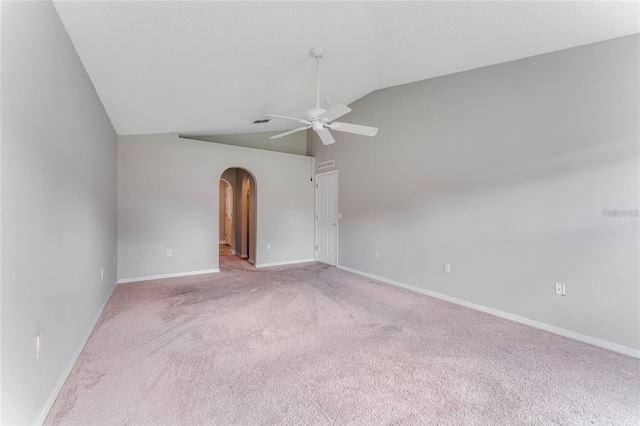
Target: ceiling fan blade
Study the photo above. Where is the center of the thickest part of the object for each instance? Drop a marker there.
(289, 132)
(325, 136)
(334, 112)
(353, 128)
(301, 120)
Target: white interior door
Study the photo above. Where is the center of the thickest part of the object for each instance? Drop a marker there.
(327, 217)
(228, 215)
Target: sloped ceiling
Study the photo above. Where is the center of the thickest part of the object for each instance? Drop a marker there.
(214, 67)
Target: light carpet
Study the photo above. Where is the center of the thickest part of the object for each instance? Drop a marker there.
(311, 344)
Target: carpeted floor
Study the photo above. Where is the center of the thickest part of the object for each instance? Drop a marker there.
(311, 344)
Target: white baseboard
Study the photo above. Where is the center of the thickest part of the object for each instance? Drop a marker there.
(290, 262)
(157, 277)
(522, 320)
(233, 252)
(67, 371)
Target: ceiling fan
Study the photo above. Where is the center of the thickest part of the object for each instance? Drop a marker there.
(320, 119)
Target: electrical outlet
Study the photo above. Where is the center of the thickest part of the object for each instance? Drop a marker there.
(268, 246)
(339, 215)
(560, 289)
(169, 253)
(376, 254)
(447, 267)
(39, 345)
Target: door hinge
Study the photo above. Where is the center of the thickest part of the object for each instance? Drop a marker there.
(316, 248)
(316, 185)
(316, 216)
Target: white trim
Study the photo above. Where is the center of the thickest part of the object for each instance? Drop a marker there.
(157, 277)
(326, 173)
(522, 320)
(67, 371)
(290, 262)
(0, 231)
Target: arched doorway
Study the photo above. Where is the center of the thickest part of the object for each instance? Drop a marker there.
(237, 214)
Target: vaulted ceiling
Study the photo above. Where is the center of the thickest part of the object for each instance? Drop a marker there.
(214, 67)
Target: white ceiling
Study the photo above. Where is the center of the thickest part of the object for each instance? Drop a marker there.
(213, 67)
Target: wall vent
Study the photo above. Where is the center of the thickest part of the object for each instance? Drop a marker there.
(325, 164)
(266, 120)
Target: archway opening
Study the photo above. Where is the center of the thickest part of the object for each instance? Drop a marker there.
(237, 216)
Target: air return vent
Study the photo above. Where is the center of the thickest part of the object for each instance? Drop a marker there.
(325, 164)
(261, 121)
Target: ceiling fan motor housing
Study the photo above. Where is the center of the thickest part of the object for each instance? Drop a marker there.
(317, 125)
(317, 52)
(314, 113)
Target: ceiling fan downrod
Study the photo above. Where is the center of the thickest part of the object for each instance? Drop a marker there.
(318, 52)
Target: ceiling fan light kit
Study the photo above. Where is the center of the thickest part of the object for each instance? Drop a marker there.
(320, 119)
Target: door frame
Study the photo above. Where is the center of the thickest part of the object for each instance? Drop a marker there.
(229, 214)
(228, 185)
(315, 213)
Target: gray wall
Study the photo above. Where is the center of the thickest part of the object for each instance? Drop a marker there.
(292, 144)
(58, 207)
(168, 199)
(504, 172)
(230, 176)
(245, 235)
